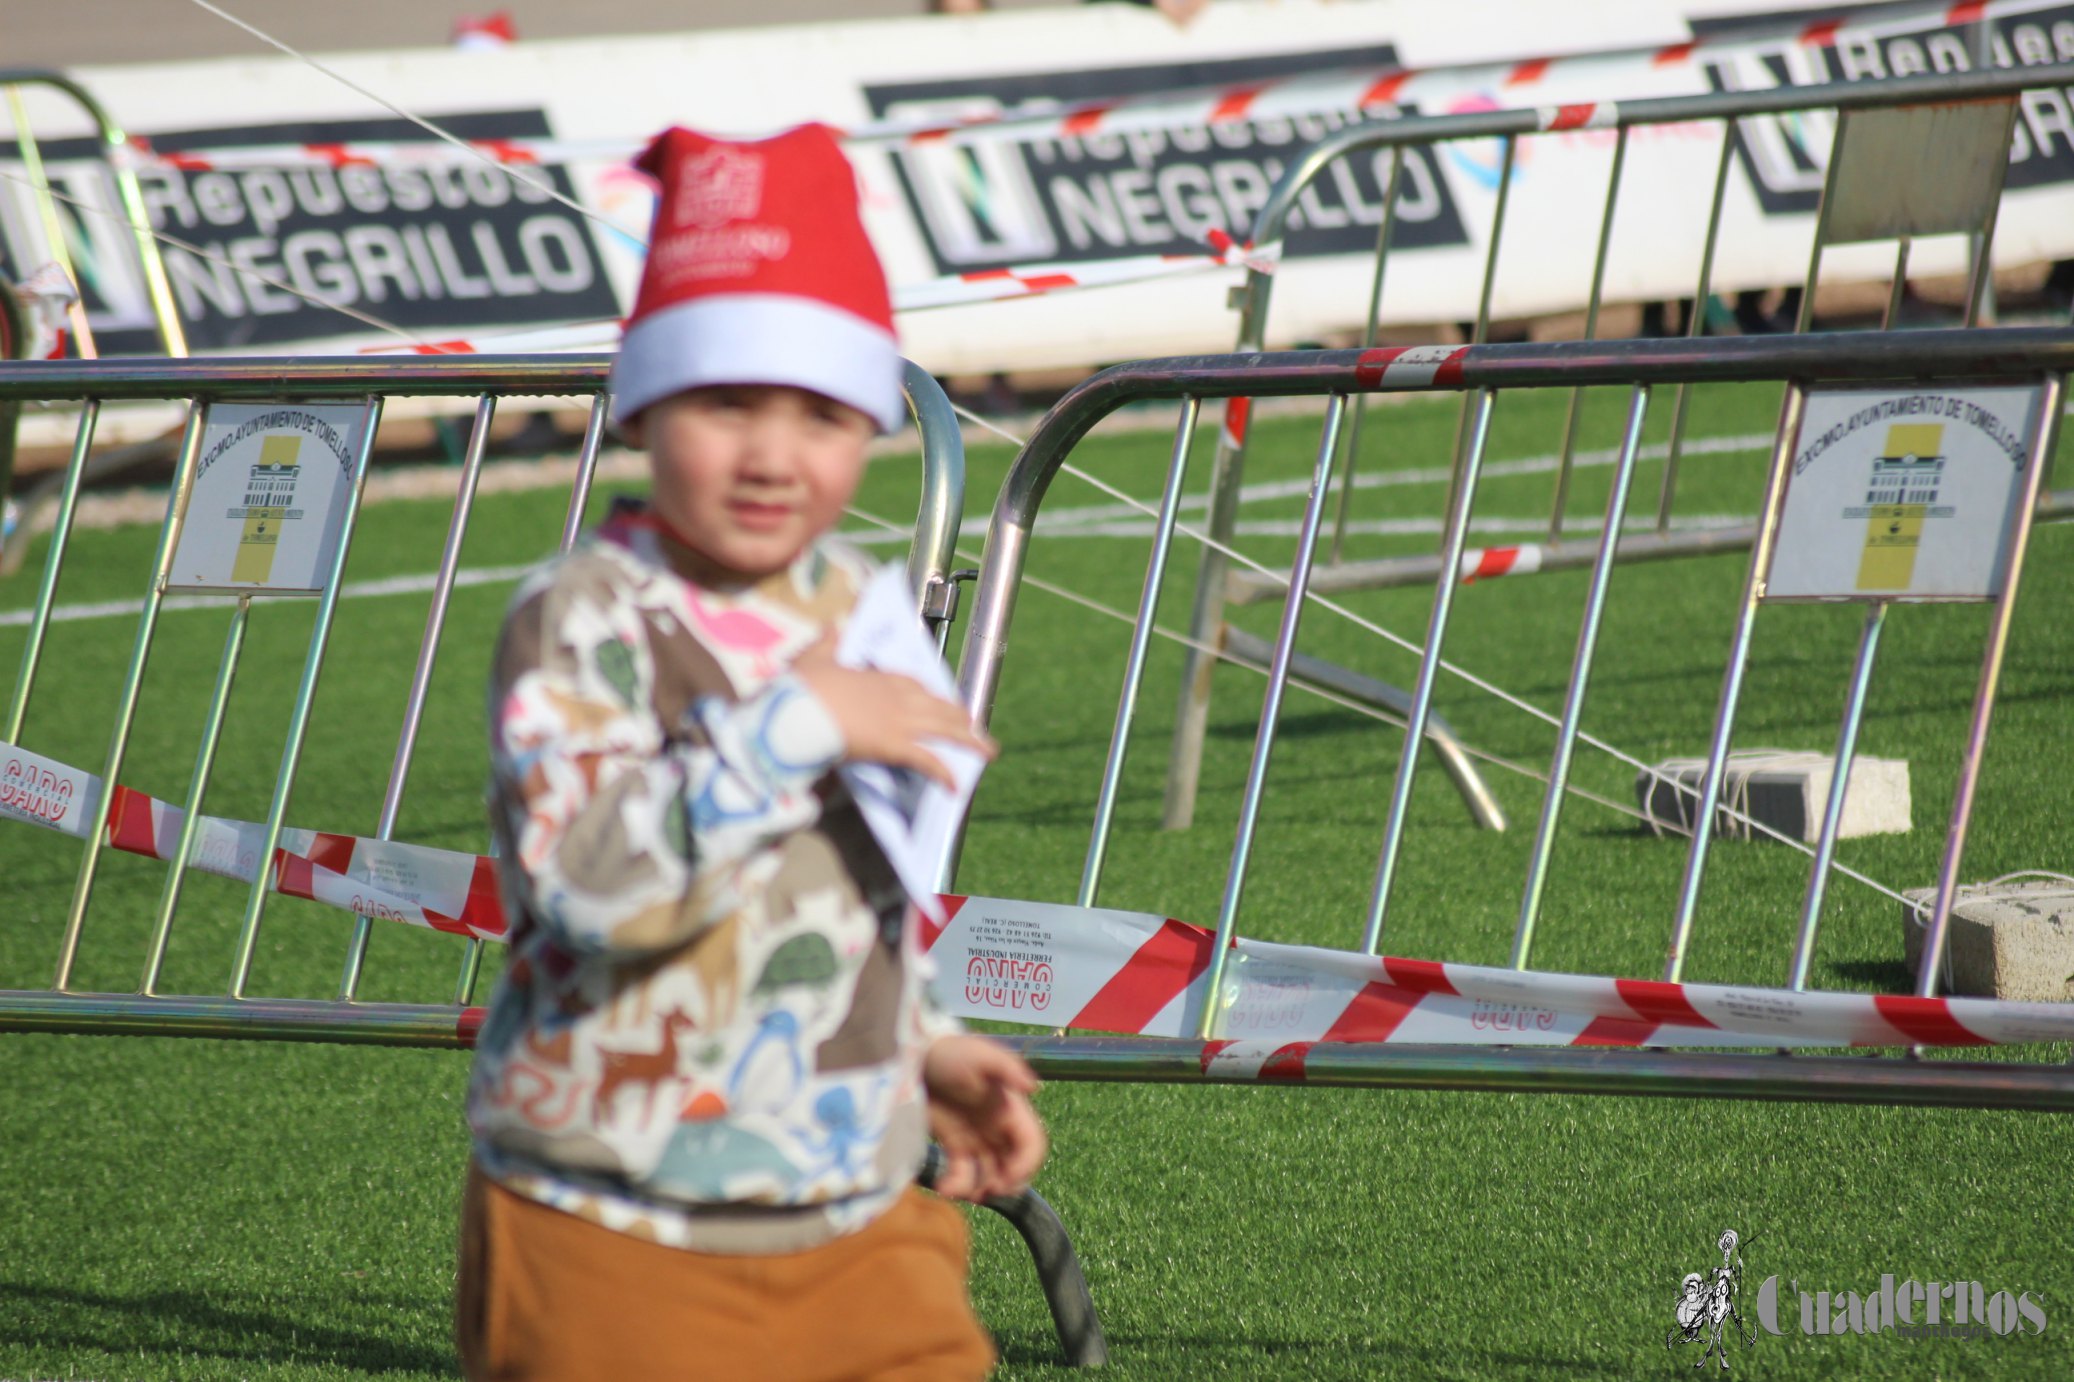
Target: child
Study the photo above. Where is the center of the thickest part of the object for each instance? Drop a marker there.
(709, 1073)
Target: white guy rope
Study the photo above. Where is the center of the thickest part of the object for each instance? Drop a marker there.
(420, 121)
(1129, 619)
(1415, 650)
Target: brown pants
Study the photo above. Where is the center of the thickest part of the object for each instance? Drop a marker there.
(547, 1297)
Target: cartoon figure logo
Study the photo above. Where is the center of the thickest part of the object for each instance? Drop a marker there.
(1708, 1303)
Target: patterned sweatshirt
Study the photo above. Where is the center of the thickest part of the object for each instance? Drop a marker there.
(711, 1028)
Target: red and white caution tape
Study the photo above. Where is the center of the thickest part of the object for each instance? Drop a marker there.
(1489, 563)
(1105, 970)
(420, 886)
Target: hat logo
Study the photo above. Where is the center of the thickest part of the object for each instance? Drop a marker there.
(718, 186)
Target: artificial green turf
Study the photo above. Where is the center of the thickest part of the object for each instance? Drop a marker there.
(217, 1210)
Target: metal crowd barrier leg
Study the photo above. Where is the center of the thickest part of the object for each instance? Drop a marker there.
(1732, 683)
(2044, 437)
(1591, 333)
(133, 685)
(197, 793)
(1833, 808)
(1270, 714)
(1580, 674)
(299, 715)
(421, 674)
(1134, 665)
(1695, 326)
(1461, 501)
(53, 562)
(1368, 335)
(1058, 1266)
(119, 155)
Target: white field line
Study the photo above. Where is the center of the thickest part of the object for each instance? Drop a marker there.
(416, 584)
(420, 582)
(1092, 520)
(1382, 527)
(1430, 475)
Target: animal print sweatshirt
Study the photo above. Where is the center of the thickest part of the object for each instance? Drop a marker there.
(711, 1027)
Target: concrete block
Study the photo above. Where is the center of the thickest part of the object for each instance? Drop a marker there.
(2013, 938)
(1785, 790)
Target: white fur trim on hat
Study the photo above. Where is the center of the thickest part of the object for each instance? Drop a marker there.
(760, 338)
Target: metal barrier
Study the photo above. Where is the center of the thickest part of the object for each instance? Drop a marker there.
(1936, 96)
(1908, 363)
(361, 386)
(119, 153)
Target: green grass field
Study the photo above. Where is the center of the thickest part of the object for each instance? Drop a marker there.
(188, 1209)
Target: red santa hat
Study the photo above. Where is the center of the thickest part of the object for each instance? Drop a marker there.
(759, 272)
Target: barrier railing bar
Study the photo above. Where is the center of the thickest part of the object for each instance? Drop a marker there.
(1580, 675)
(1980, 286)
(299, 715)
(1481, 330)
(1191, 716)
(2035, 1087)
(421, 674)
(133, 684)
(1134, 664)
(2043, 438)
(586, 470)
(197, 793)
(261, 379)
(1790, 411)
(942, 507)
(2032, 1087)
(1833, 808)
(116, 153)
(1695, 325)
(1805, 317)
(1899, 287)
(1375, 314)
(1591, 332)
(1461, 499)
(31, 152)
(53, 563)
(1270, 714)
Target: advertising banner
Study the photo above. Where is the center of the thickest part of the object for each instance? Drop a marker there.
(1063, 137)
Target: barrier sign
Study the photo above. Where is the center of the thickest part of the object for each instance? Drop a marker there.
(1902, 494)
(269, 496)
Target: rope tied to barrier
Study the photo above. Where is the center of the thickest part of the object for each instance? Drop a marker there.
(1400, 641)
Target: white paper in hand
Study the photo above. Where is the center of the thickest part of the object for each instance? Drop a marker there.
(912, 817)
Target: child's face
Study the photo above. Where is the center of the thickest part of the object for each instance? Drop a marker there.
(749, 474)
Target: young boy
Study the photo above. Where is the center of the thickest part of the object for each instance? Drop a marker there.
(708, 1076)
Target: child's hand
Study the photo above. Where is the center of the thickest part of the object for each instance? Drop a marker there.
(884, 717)
(980, 1114)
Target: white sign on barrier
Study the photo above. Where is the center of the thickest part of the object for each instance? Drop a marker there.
(1902, 494)
(269, 497)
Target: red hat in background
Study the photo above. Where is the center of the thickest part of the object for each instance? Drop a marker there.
(759, 272)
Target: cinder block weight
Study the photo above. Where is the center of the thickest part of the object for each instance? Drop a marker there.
(1787, 791)
(2012, 938)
